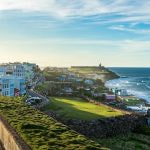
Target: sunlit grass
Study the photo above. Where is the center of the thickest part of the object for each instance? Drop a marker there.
(81, 109)
(132, 101)
(86, 70)
(40, 131)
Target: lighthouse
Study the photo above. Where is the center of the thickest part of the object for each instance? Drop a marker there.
(100, 65)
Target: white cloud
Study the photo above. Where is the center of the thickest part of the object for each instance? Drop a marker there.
(129, 10)
(129, 29)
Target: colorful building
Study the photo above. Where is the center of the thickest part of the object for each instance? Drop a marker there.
(12, 86)
(25, 70)
(14, 76)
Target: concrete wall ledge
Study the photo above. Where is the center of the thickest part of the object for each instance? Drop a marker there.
(9, 137)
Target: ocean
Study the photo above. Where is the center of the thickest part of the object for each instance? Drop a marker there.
(135, 80)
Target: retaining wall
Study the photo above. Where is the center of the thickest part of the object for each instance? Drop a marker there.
(9, 138)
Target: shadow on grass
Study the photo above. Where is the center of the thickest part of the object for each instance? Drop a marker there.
(67, 110)
(104, 130)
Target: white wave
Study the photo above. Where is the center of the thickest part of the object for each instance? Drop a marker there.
(132, 86)
(139, 94)
(147, 86)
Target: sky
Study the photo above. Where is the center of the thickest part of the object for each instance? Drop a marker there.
(76, 32)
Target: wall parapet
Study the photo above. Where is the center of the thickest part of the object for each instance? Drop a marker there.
(9, 137)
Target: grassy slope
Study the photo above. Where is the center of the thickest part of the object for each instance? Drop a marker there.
(132, 141)
(43, 133)
(130, 101)
(40, 131)
(86, 70)
(77, 108)
(80, 109)
(104, 74)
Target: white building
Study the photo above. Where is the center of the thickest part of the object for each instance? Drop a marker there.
(18, 71)
(29, 71)
(25, 70)
(123, 92)
(89, 82)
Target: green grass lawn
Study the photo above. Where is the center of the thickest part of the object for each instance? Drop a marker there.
(131, 101)
(86, 70)
(40, 131)
(80, 109)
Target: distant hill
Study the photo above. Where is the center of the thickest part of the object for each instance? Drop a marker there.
(94, 72)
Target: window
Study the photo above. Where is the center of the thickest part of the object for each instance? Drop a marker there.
(7, 93)
(4, 86)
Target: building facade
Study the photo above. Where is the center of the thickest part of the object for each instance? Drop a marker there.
(14, 77)
(12, 86)
(6, 87)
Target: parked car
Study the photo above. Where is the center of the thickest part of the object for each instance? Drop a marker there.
(33, 101)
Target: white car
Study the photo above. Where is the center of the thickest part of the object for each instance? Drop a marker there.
(33, 100)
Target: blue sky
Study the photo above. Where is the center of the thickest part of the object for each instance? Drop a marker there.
(76, 32)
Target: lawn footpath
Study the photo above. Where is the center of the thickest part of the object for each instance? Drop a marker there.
(40, 131)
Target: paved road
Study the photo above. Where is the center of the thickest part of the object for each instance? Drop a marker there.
(45, 100)
(32, 93)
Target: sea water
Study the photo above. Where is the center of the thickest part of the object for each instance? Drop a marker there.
(135, 80)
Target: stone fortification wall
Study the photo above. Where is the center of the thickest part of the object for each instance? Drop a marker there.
(9, 138)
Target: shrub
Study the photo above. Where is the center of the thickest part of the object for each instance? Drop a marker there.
(143, 130)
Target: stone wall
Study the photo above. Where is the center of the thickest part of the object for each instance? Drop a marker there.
(9, 138)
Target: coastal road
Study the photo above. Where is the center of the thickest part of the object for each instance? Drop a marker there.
(32, 93)
(45, 100)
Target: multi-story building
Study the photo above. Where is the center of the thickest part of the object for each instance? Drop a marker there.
(13, 77)
(19, 86)
(29, 71)
(25, 70)
(2, 70)
(12, 86)
(6, 87)
(18, 71)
